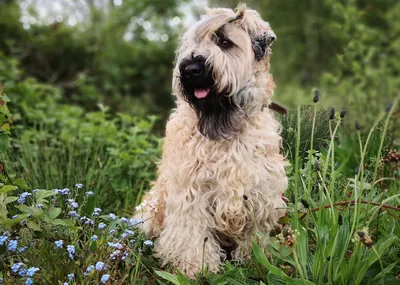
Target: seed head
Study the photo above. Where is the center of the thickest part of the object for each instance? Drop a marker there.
(357, 125)
(389, 107)
(332, 114)
(340, 220)
(343, 113)
(305, 203)
(316, 96)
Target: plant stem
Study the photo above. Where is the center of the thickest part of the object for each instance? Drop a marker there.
(350, 202)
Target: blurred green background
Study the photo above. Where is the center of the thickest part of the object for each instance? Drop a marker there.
(89, 81)
(120, 52)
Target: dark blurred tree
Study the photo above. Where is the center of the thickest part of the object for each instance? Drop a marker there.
(95, 60)
(311, 33)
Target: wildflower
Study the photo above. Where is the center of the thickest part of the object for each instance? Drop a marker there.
(123, 220)
(22, 249)
(71, 251)
(88, 270)
(57, 191)
(73, 204)
(29, 281)
(64, 191)
(115, 254)
(112, 216)
(22, 272)
(148, 243)
(104, 278)
(65, 283)
(127, 233)
(14, 217)
(94, 238)
(35, 191)
(363, 236)
(96, 212)
(87, 221)
(17, 266)
(332, 114)
(316, 96)
(70, 276)
(89, 193)
(115, 245)
(31, 271)
(73, 214)
(133, 222)
(1, 280)
(79, 185)
(132, 241)
(3, 239)
(126, 254)
(12, 245)
(102, 225)
(40, 206)
(23, 196)
(112, 232)
(287, 237)
(59, 243)
(99, 266)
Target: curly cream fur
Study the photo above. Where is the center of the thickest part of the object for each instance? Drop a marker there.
(202, 184)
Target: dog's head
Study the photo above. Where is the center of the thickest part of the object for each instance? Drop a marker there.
(222, 67)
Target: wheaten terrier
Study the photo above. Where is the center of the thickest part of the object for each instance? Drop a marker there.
(222, 176)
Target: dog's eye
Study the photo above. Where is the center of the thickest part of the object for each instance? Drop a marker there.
(224, 43)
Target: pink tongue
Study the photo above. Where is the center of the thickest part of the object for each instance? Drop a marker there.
(201, 93)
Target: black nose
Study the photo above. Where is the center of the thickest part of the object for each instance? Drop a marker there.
(193, 70)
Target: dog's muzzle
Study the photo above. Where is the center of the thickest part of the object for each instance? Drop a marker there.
(196, 78)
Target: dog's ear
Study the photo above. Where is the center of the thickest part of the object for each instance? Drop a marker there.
(261, 43)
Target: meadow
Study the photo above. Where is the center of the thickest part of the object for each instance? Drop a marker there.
(77, 152)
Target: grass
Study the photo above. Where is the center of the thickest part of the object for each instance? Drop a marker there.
(342, 224)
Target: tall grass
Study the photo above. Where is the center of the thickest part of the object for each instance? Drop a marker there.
(342, 225)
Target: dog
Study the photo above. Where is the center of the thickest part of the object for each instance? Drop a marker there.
(221, 176)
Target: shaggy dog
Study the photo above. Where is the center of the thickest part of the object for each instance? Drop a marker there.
(222, 176)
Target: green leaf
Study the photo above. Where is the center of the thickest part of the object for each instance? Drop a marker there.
(8, 188)
(234, 281)
(339, 249)
(60, 222)
(10, 199)
(261, 259)
(275, 279)
(53, 213)
(380, 249)
(30, 210)
(32, 225)
(4, 142)
(21, 183)
(182, 279)
(168, 276)
(41, 195)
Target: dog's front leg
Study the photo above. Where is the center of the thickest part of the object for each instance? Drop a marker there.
(186, 242)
